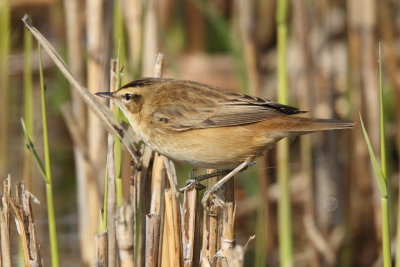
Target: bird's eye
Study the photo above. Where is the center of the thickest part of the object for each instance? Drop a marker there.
(128, 97)
(134, 97)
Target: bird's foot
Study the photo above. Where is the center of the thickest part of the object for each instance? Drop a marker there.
(212, 207)
(192, 183)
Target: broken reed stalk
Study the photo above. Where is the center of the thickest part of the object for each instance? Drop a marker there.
(100, 250)
(5, 241)
(111, 204)
(158, 178)
(142, 200)
(5, 224)
(172, 234)
(22, 211)
(228, 218)
(210, 238)
(191, 227)
(153, 226)
(173, 227)
(153, 220)
(125, 235)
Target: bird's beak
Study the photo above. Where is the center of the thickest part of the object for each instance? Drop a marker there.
(106, 95)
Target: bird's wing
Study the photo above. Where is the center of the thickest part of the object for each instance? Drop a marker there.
(205, 107)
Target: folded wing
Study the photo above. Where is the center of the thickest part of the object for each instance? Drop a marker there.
(200, 106)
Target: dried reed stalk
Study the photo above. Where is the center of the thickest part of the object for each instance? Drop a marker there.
(173, 225)
(143, 200)
(158, 178)
(5, 224)
(153, 222)
(125, 235)
(191, 228)
(22, 210)
(111, 203)
(154, 219)
(228, 218)
(210, 244)
(228, 233)
(100, 245)
(5, 241)
(133, 200)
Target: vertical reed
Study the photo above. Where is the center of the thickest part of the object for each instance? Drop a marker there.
(76, 117)
(381, 175)
(4, 81)
(48, 178)
(99, 47)
(284, 205)
(28, 103)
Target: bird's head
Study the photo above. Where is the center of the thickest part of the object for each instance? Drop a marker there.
(128, 99)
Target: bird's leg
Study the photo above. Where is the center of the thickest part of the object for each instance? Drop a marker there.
(195, 181)
(218, 184)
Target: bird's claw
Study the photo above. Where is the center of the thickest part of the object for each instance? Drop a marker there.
(192, 183)
(217, 202)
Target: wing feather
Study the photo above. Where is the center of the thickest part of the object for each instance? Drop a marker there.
(198, 106)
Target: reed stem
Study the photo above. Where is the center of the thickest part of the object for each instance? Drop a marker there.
(48, 180)
(284, 206)
(28, 104)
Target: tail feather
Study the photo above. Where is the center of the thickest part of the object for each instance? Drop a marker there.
(328, 124)
(301, 125)
(286, 126)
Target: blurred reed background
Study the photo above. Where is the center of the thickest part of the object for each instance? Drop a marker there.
(332, 53)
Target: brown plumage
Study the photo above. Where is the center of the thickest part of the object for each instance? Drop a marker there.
(206, 126)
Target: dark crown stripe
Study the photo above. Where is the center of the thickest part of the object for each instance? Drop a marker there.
(144, 82)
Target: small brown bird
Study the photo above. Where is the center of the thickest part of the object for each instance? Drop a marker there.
(207, 127)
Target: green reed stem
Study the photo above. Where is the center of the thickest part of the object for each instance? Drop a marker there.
(28, 103)
(383, 146)
(103, 222)
(284, 204)
(4, 81)
(380, 174)
(29, 145)
(387, 262)
(117, 144)
(387, 259)
(48, 180)
(28, 95)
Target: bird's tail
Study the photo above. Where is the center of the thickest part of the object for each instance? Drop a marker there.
(293, 125)
(311, 125)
